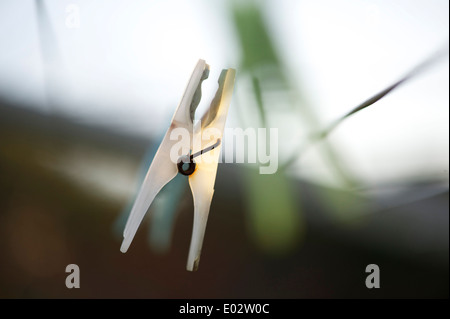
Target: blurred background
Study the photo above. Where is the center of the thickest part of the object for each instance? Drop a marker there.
(88, 88)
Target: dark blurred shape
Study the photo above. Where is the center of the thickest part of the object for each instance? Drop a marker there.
(48, 222)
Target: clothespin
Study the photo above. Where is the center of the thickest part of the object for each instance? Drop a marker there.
(199, 160)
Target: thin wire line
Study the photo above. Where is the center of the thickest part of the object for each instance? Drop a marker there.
(203, 151)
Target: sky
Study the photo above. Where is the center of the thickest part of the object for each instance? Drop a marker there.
(125, 64)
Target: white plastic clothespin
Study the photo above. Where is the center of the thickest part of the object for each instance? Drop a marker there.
(199, 162)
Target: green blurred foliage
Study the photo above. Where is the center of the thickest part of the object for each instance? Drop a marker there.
(274, 217)
(255, 42)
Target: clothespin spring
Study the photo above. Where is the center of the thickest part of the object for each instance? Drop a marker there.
(189, 160)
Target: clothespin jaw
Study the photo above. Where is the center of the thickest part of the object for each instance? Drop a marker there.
(207, 137)
(202, 181)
